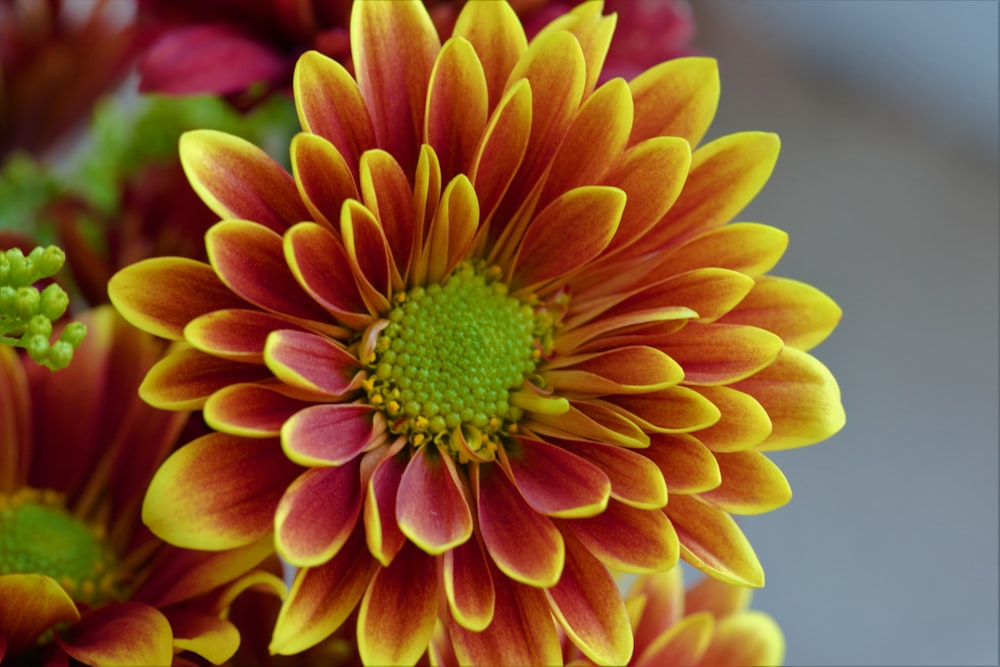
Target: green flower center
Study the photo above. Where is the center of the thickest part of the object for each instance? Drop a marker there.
(38, 536)
(449, 357)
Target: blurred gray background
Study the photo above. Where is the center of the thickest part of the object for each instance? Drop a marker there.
(887, 184)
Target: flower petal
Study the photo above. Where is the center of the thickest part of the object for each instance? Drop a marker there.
(322, 597)
(676, 98)
(555, 481)
(15, 406)
(717, 597)
(431, 508)
(495, 32)
(468, 585)
(748, 247)
(629, 539)
(590, 422)
(120, 633)
(323, 177)
(381, 529)
(218, 492)
(312, 362)
(750, 638)
(394, 46)
(184, 379)
(330, 105)
(239, 181)
(457, 106)
(386, 192)
(624, 370)
(744, 423)
(249, 259)
(588, 605)
(450, 233)
(161, 295)
(799, 313)
(321, 266)
(751, 484)
(524, 544)
(635, 480)
(325, 435)
(317, 514)
(682, 643)
(712, 542)
(30, 604)
(367, 253)
(237, 334)
(671, 410)
(251, 410)
(686, 464)
(208, 635)
(722, 354)
(801, 397)
(398, 611)
(554, 245)
(709, 292)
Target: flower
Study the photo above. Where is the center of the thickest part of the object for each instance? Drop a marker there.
(79, 574)
(497, 315)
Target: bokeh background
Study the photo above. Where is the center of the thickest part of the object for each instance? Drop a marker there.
(888, 186)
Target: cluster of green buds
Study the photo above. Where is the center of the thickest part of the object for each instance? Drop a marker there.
(27, 314)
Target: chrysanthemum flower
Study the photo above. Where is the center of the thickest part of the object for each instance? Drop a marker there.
(497, 314)
(80, 577)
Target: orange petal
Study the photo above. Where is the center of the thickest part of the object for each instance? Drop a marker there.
(161, 295)
(709, 292)
(801, 397)
(524, 544)
(121, 633)
(628, 539)
(251, 410)
(218, 492)
(398, 611)
(717, 597)
(686, 464)
(722, 354)
(451, 231)
(744, 423)
(594, 33)
(381, 529)
(635, 480)
(747, 247)
(386, 192)
(15, 406)
(426, 193)
(625, 370)
(457, 106)
(206, 634)
(367, 253)
(321, 266)
(431, 508)
(712, 542)
(237, 334)
(184, 379)
(590, 422)
(554, 244)
(330, 104)
(495, 32)
(312, 362)
(677, 98)
(331, 434)
(30, 604)
(394, 46)
(250, 260)
(324, 178)
(239, 181)
(322, 597)
(589, 335)
(750, 638)
(593, 142)
(589, 607)
(521, 633)
(751, 484)
(683, 643)
(670, 410)
(553, 480)
(317, 514)
(662, 604)
(468, 585)
(799, 313)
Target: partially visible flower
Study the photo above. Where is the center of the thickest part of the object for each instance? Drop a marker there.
(497, 313)
(54, 65)
(80, 576)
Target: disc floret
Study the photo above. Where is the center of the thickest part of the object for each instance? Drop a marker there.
(449, 357)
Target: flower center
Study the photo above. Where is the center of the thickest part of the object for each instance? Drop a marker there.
(38, 536)
(447, 361)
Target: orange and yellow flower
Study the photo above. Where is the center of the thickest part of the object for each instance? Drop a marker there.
(491, 338)
(80, 576)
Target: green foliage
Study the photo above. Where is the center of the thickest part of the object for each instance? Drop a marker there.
(27, 314)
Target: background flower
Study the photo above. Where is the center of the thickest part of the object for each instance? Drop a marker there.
(77, 449)
(649, 352)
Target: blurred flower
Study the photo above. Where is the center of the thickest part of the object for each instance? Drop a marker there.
(54, 64)
(514, 319)
(79, 574)
(246, 49)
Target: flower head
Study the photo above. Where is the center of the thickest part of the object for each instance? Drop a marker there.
(79, 574)
(469, 347)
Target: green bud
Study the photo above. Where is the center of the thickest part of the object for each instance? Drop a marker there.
(26, 302)
(53, 302)
(49, 262)
(74, 334)
(39, 325)
(37, 347)
(7, 297)
(20, 271)
(60, 354)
